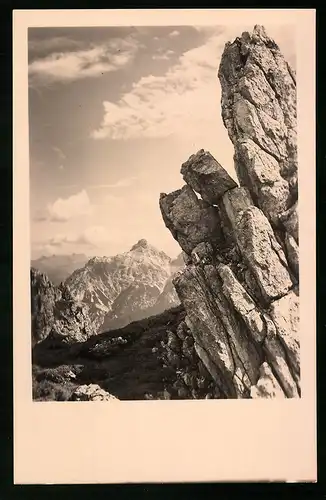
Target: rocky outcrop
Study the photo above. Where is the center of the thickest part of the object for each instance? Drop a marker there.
(91, 392)
(259, 113)
(44, 295)
(55, 314)
(190, 220)
(240, 286)
(206, 176)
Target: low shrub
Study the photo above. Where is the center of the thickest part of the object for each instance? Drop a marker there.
(46, 390)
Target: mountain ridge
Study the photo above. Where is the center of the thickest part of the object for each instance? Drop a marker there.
(59, 267)
(122, 288)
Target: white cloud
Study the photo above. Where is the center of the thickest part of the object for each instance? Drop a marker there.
(160, 57)
(209, 30)
(59, 152)
(53, 43)
(174, 33)
(158, 106)
(113, 201)
(93, 236)
(68, 186)
(184, 101)
(136, 199)
(128, 181)
(163, 57)
(64, 209)
(66, 67)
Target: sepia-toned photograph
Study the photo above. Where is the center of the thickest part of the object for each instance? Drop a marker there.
(163, 169)
(163, 212)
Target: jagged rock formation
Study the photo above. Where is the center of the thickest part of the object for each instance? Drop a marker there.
(55, 314)
(59, 267)
(124, 288)
(240, 287)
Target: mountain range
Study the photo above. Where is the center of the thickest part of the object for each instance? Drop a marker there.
(59, 267)
(115, 290)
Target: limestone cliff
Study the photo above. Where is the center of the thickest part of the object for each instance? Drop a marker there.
(240, 286)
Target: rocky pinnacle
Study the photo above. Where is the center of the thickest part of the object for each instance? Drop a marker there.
(240, 285)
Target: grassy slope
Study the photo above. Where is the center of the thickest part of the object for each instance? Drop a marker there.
(128, 371)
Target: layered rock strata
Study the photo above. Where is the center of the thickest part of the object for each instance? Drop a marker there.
(240, 286)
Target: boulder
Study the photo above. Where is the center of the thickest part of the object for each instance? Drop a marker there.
(91, 392)
(190, 220)
(206, 176)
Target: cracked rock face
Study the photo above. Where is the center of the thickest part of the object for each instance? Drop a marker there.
(190, 220)
(259, 112)
(240, 285)
(264, 255)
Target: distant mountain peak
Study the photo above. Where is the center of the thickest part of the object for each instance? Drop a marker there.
(143, 247)
(142, 243)
(123, 287)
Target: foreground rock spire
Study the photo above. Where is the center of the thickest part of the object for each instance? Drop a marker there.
(240, 286)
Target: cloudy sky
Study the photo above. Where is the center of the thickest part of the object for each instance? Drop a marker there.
(113, 113)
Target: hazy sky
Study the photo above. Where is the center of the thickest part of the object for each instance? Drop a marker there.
(113, 113)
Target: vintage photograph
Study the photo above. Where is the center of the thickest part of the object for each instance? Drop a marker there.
(163, 212)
